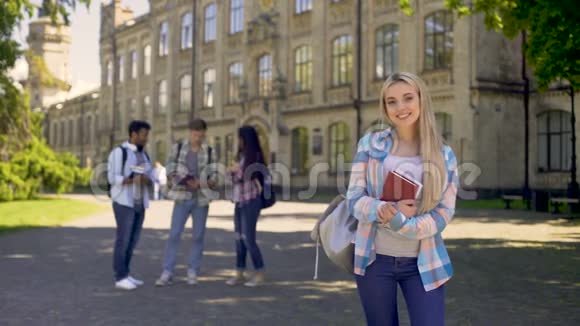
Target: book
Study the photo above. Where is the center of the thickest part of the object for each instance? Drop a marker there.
(183, 181)
(138, 169)
(399, 187)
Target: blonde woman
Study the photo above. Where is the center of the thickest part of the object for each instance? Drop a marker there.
(400, 243)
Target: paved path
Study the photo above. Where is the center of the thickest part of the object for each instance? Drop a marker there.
(512, 268)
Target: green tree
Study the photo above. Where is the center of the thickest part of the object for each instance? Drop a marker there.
(552, 30)
(27, 163)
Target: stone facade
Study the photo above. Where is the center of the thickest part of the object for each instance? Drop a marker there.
(476, 84)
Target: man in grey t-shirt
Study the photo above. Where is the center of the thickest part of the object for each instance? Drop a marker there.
(189, 170)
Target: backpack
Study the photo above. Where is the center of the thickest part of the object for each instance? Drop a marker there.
(267, 194)
(124, 151)
(336, 231)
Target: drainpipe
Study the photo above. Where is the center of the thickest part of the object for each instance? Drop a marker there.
(357, 100)
(114, 76)
(573, 185)
(193, 58)
(526, 190)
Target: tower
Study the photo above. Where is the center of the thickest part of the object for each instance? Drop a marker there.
(48, 61)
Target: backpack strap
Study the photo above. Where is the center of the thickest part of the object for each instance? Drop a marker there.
(179, 145)
(124, 151)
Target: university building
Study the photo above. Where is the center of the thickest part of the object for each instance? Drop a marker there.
(307, 75)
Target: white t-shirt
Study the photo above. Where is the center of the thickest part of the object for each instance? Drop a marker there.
(388, 242)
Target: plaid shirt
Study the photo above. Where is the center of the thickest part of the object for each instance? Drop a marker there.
(177, 169)
(245, 188)
(366, 184)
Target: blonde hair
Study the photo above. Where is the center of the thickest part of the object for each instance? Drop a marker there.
(431, 143)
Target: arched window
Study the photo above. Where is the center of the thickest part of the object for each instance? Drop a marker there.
(339, 145)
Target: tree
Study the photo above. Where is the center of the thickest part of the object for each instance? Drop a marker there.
(26, 162)
(552, 30)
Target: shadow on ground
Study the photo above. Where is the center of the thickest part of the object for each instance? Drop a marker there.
(63, 277)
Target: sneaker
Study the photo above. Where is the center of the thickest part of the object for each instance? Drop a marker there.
(236, 280)
(191, 277)
(135, 281)
(125, 284)
(257, 280)
(164, 279)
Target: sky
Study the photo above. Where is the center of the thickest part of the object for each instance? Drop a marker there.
(84, 47)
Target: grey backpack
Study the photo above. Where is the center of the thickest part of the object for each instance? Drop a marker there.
(336, 230)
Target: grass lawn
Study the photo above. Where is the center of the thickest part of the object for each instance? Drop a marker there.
(43, 212)
(489, 204)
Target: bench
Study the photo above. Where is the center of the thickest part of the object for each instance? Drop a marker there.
(559, 201)
(509, 198)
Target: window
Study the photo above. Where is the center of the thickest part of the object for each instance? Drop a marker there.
(236, 16)
(185, 93)
(302, 6)
(339, 145)
(132, 109)
(145, 113)
(162, 96)
(147, 60)
(229, 149)
(71, 133)
(208, 88)
(133, 64)
(216, 143)
(118, 117)
(264, 140)
(303, 69)
(88, 135)
(53, 135)
(121, 69)
(554, 141)
(236, 71)
(109, 76)
(186, 31)
(342, 60)
(299, 150)
(439, 40)
(62, 141)
(164, 39)
(444, 125)
(210, 23)
(265, 75)
(387, 51)
(79, 139)
(160, 151)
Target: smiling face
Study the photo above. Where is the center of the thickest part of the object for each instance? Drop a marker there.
(402, 105)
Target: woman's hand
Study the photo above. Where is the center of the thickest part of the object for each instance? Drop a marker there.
(408, 207)
(234, 167)
(386, 212)
(390, 209)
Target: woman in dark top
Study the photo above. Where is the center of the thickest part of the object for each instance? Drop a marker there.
(248, 182)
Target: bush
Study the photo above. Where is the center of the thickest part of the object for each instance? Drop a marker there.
(36, 166)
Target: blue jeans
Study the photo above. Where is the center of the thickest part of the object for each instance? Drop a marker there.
(245, 221)
(181, 212)
(129, 224)
(378, 293)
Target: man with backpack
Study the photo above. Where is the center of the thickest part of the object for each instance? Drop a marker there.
(189, 172)
(129, 176)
